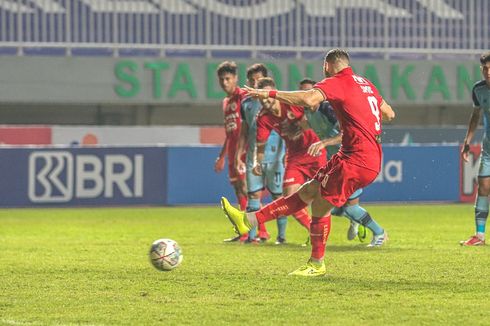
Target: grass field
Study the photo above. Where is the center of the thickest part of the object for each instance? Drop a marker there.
(90, 267)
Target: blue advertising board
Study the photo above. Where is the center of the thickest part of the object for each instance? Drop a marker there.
(409, 173)
(192, 179)
(417, 173)
(82, 176)
(125, 176)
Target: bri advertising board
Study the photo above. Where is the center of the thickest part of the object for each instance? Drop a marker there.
(82, 176)
(177, 175)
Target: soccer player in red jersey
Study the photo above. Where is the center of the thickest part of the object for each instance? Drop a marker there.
(359, 109)
(228, 79)
(290, 123)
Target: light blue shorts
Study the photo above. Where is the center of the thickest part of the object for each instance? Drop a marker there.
(356, 194)
(271, 178)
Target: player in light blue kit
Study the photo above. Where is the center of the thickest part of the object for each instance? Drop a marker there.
(324, 122)
(481, 102)
(272, 165)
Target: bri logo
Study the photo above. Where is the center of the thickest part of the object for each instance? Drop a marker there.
(60, 176)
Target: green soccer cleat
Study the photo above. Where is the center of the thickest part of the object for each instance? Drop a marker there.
(236, 217)
(362, 233)
(310, 269)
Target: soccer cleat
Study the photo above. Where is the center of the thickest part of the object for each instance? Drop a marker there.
(473, 241)
(255, 241)
(280, 241)
(236, 217)
(264, 236)
(361, 233)
(310, 269)
(378, 240)
(240, 238)
(352, 232)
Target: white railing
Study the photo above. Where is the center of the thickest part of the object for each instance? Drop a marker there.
(296, 27)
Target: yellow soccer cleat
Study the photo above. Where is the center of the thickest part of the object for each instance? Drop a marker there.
(236, 217)
(310, 269)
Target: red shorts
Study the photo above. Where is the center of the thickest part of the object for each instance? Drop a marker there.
(300, 173)
(340, 179)
(233, 174)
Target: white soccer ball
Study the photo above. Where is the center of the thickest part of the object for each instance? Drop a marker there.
(165, 254)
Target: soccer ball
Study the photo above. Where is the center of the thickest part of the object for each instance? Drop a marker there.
(165, 254)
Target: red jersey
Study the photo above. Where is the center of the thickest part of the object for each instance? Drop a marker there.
(233, 120)
(356, 103)
(290, 124)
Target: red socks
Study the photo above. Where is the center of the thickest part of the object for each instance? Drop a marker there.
(283, 206)
(242, 201)
(320, 229)
(303, 218)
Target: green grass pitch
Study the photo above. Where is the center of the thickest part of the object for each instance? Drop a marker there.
(90, 267)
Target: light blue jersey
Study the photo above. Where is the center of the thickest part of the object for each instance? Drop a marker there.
(324, 123)
(481, 99)
(275, 149)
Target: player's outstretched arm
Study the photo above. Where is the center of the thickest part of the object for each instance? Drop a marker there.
(387, 111)
(472, 125)
(311, 98)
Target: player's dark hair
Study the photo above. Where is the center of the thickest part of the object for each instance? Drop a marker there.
(266, 81)
(307, 81)
(255, 68)
(227, 67)
(335, 55)
(485, 57)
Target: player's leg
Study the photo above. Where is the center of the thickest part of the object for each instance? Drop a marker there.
(252, 206)
(240, 188)
(239, 184)
(255, 187)
(282, 206)
(481, 213)
(355, 229)
(294, 177)
(481, 202)
(302, 216)
(274, 175)
(359, 215)
(319, 232)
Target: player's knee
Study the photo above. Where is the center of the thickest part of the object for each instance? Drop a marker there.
(309, 190)
(483, 189)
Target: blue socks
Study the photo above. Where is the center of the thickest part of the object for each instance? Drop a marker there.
(252, 206)
(361, 216)
(481, 214)
(282, 222)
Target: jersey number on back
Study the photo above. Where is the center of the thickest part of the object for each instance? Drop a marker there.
(373, 103)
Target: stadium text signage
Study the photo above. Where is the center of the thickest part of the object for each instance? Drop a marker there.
(416, 82)
(193, 81)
